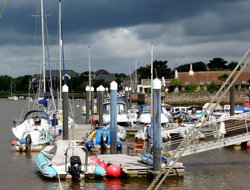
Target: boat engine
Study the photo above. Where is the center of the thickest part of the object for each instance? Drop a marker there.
(75, 167)
(104, 139)
(28, 142)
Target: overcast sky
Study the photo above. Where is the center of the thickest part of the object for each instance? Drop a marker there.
(120, 32)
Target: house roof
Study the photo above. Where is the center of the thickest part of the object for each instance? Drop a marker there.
(104, 75)
(204, 77)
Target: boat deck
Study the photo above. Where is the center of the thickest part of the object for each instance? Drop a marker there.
(133, 167)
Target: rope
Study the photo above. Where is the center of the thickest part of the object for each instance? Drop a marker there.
(4, 7)
(59, 181)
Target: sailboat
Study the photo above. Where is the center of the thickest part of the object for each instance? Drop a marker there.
(32, 131)
(57, 128)
(12, 97)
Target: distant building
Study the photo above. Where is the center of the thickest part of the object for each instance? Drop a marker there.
(55, 76)
(202, 78)
(104, 75)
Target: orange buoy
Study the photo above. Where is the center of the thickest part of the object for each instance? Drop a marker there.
(248, 144)
(113, 170)
(13, 143)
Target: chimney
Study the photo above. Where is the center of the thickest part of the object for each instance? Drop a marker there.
(191, 72)
(176, 74)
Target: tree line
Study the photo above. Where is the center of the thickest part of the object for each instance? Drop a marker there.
(77, 84)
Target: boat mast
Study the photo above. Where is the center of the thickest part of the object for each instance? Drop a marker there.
(152, 65)
(43, 46)
(135, 86)
(151, 97)
(89, 70)
(60, 53)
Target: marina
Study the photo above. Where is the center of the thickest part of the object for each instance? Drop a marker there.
(217, 166)
(60, 142)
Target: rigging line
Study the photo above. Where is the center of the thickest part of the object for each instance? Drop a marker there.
(4, 7)
(48, 60)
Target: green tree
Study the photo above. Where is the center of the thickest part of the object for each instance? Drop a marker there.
(119, 79)
(217, 64)
(223, 77)
(212, 87)
(160, 69)
(196, 66)
(232, 65)
(22, 83)
(175, 83)
(5, 83)
(191, 87)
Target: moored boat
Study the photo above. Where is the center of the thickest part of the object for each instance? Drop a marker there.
(67, 159)
(100, 138)
(32, 141)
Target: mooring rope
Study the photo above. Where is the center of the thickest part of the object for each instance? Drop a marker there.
(59, 181)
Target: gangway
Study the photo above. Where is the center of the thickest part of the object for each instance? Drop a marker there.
(186, 143)
(236, 131)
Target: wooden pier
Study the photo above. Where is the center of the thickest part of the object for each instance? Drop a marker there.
(133, 167)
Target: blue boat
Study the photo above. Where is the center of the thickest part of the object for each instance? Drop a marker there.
(100, 138)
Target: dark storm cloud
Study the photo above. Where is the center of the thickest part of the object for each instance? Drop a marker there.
(88, 16)
(119, 30)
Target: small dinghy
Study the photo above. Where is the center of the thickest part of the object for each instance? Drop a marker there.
(66, 160)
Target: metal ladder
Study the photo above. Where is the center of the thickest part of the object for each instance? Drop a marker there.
(162, 175)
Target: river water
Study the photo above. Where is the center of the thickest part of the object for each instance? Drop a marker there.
(220, 169)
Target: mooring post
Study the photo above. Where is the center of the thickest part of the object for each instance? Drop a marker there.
(87, 104)
(113, 118)
(101, 91)
(126, 97)
(156, 124)
(92, 97)
(65, 96)
(232, 99)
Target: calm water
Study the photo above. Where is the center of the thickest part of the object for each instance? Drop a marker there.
(220, 169)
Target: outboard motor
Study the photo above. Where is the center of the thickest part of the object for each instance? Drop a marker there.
(104, 139)
(28, 142)
(119, 145)
(75, 167)
(89, 145)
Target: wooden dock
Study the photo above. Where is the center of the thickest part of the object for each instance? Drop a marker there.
(133, 167)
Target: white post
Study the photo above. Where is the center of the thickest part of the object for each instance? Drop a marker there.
(113, 118)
